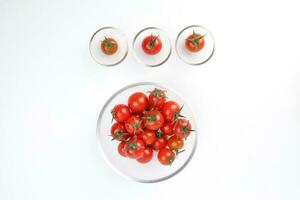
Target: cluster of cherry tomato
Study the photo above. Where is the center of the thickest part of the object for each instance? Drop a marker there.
(152, 44)
(150, 123)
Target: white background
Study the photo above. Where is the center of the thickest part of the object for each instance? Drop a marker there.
(246, 98)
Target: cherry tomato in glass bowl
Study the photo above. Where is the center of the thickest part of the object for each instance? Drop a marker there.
(167, 128)
(122, 149)
(109, 46)
(182, 128)
(134, 148)
(175, 143)
(153, 120)
(166, 156)
(148, 137)
(118, 132)
(171, 111)
(138, 102)
(120, 113)
(152, 44)
(194, 42)
(134, 125)
(159, 143)
(157, 98)
(147, 156)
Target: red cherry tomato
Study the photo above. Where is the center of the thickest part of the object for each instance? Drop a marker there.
(159, 143)
(118, 132)
(147, 156)
(182, 128)
(194, 42)
(175, 143)
(134, 125)
(138, 102)
(122, 149)
(168, 127)
(153, 120)
(166, 156)
(171, 111)
(109, 46)
(151, 44)
(135, 148)
(148, 137)
(157, 98)
(120, 113)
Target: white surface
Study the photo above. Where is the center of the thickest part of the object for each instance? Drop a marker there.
(246, 99)
(153, 171)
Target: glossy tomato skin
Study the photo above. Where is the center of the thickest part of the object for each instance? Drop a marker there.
(194, 42)
(122, 149)
(138, 102)
(121, 113)
(151, 45)
(147, 156)
(157, 98)
(171, 111)
(159, 143)
(167, 128)
(148, 137)
(118, 132)
(153, 120)
(135, 148)
(175, 143)
(109, 46)
(182, 128)
(166, 156)
(134, 125)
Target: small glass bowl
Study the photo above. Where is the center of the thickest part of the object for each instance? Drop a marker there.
(152, 60)
(95, 46)
(130, 168)
(195, 58)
